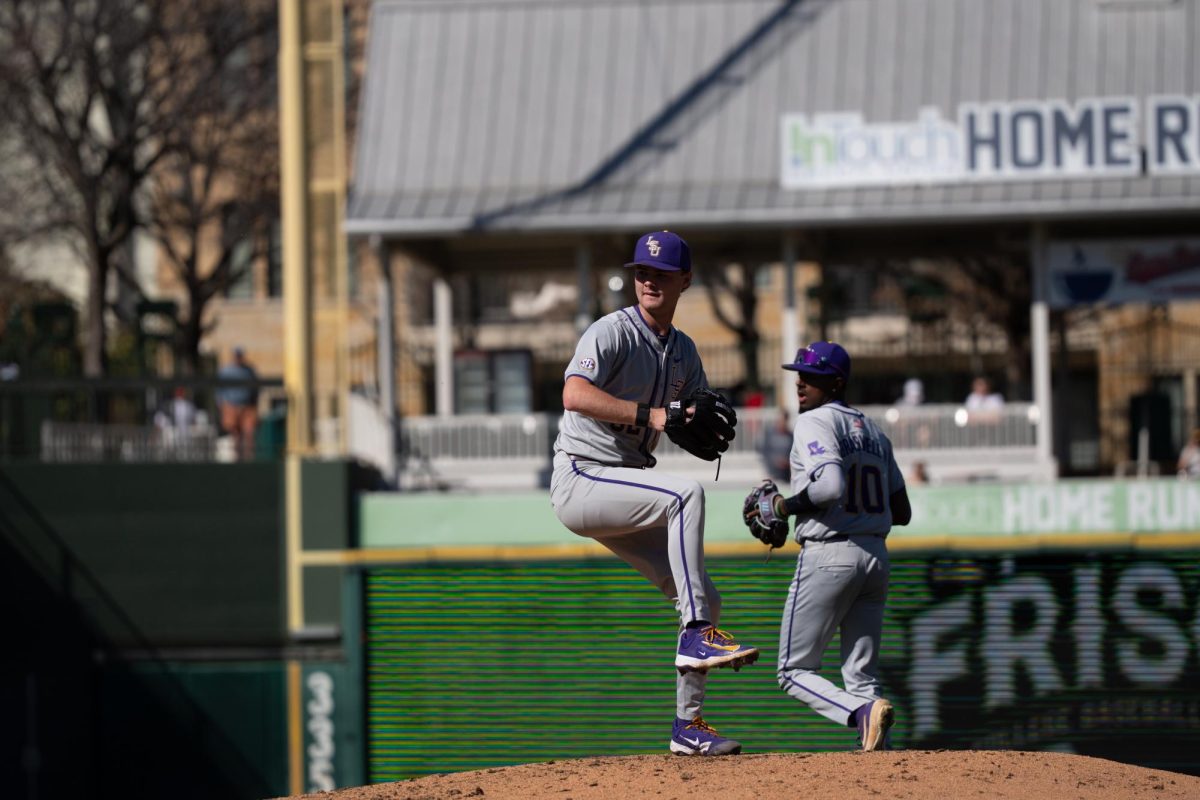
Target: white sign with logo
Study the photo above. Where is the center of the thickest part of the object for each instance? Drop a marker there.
(1036, 139)
(322, 746)
(1123, 271)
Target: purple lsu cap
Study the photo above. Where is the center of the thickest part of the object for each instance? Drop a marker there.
(822, 358)
(662, 250)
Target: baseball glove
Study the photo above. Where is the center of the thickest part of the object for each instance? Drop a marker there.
(759, 514)
(708, 433)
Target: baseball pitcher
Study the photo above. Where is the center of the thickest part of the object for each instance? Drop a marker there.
(847, 492)
(632, 378)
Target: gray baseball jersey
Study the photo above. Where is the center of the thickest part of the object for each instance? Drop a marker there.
(600, 487)
(841, 577)
(620, 354)
(835, 436)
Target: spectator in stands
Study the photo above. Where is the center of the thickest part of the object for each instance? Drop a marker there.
(777, 449)
(914, 393)
(239, 404)
(918, 474)
(179, 413)
(1189, 457)
(982, 398)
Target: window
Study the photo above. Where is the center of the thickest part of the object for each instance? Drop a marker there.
(241, 271)
(493, 382)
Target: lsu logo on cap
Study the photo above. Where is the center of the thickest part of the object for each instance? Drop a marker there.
(587, 363)
(654, 246)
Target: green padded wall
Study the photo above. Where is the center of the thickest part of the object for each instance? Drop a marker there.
(476, 665)
(472, 666)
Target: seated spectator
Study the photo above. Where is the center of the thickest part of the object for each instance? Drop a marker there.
(914, 393)
(1188, 465)
(982, 398)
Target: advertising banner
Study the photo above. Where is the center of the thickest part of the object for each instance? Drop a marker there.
(1100, 137)
(1166, 505)
(1123, 271)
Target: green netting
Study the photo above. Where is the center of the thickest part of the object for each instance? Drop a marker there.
(479, 665)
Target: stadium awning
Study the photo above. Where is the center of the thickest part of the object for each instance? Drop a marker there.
(545, 116)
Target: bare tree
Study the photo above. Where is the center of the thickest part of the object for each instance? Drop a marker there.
(100, 94)
(215, 195)
(981, 294)
(736, 281)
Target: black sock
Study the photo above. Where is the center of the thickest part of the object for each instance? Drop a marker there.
(698, 623)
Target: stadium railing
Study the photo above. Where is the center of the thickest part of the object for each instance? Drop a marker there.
(514, 450)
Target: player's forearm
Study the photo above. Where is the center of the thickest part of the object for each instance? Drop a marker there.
(825, 490)
(584, 398)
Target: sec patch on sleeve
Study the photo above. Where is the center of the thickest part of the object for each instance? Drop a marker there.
(588, 364)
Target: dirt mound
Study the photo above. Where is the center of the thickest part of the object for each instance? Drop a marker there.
(918, 774)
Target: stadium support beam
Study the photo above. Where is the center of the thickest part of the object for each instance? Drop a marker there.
(297, 343)
(586, 297)
(385, 333)
(444, 346)
(792, 322)
(297, 297)
(1039, 337)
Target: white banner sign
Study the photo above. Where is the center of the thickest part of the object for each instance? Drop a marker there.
(1092, 138)
(1123, 271)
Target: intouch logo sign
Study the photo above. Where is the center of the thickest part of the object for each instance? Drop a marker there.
(1090, 138)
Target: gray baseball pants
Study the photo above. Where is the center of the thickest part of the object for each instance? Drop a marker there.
(838, 586)
(654, 523)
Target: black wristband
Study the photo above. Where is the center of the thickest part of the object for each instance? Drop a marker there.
(799, 504)
(643, 415)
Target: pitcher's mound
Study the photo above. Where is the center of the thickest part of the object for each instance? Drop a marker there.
(916, 774)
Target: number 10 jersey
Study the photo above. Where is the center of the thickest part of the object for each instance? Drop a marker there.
(835, 436)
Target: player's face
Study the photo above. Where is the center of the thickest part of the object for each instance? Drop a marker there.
(815, 390)
(658, 290)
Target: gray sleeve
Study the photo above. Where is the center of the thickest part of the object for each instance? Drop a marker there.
(827, 487)
(814, 445)
(595, 355)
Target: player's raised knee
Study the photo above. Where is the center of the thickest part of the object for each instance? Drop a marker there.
(691, 491)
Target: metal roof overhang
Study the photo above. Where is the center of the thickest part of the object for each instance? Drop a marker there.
(539, 117)
(734, 218)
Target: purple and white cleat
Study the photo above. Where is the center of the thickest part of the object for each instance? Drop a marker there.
(702, 649)
(874, 721)
(698, 738)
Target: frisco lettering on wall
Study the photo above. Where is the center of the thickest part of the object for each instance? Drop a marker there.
(1061, 652)
(321, 748)
(1038, 139)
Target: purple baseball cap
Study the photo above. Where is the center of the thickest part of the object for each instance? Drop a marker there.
(662, 250)
(822, 358)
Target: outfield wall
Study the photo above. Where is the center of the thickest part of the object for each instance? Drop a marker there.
(1151, 513)
(149, 654)
(1063, 617)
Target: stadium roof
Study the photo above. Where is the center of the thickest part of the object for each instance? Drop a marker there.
(569, 115)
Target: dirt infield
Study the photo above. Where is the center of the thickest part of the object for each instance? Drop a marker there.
(917, 774)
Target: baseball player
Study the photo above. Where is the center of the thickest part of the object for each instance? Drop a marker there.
(633, 377)
(847, 492)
